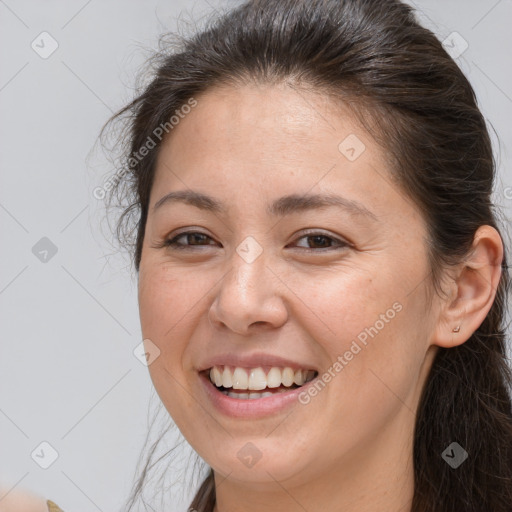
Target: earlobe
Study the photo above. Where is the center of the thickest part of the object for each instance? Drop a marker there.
(473, 290)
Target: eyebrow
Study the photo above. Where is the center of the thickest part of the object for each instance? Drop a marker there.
(286, 205)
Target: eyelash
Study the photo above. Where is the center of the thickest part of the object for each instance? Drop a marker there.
(172, 242)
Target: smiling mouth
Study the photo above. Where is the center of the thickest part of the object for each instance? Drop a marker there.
(253, 383)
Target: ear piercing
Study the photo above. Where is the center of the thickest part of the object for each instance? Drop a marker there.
(457, 329)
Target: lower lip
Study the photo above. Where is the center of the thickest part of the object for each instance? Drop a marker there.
(251, 408)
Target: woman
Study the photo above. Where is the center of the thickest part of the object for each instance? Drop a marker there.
(322, 280)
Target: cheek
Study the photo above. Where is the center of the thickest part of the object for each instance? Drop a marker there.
(167, 300)
(372, 329)
(381, 369)
(168, 307)
(336, 305)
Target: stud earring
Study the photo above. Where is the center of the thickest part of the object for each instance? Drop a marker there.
(457, 329)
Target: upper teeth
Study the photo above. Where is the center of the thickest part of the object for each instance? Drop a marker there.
(256, 379)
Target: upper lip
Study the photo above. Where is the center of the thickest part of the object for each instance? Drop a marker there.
(253, 361)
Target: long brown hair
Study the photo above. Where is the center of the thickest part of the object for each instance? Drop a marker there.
(374, 56)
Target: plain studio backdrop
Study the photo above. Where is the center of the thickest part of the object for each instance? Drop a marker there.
(74, 396)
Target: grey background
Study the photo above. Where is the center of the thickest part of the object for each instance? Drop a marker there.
(68, 375)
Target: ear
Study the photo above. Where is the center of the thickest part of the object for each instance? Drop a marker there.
(472, 290)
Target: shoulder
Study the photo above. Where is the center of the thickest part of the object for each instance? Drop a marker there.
(53, 507)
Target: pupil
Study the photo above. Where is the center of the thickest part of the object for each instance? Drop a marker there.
(316, 238)
(195, 236)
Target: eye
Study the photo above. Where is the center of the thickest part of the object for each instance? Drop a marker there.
(320, 242)
(195, 237)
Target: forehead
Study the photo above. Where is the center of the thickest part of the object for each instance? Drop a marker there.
(258, 142)
(274, 114)
(264, 129)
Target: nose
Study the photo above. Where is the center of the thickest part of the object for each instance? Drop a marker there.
(249, 298)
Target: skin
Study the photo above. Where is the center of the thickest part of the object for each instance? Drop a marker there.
(350, 447)
(21, 500)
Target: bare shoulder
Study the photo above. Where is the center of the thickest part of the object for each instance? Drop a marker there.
(21, 501)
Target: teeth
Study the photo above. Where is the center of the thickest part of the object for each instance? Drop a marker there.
(240, 379)
(217, 377)
(254, 379)
(274, 378)
(287, 377)
(249, 396)
(227, 378)
(299, 377)
(257, 379)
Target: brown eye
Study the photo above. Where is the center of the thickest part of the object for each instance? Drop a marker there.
(316, 242)
(194, 238)
(320, 241)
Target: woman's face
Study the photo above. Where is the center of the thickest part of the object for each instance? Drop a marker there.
(273, 279)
